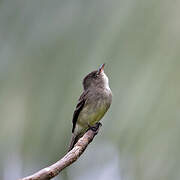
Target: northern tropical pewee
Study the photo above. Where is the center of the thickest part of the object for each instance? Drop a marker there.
(92, 105)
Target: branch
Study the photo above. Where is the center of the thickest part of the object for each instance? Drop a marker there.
(68, 159)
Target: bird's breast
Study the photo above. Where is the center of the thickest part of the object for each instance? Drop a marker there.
(93, 111)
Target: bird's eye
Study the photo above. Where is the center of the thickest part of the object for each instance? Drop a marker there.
(95, 75)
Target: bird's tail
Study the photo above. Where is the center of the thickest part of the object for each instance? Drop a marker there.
(74, 140)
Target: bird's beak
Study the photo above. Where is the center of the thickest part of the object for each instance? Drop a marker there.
(101, 68)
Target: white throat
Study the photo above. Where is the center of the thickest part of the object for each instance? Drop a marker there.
(106, 81)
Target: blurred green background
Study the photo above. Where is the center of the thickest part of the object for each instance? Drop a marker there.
(47, 47)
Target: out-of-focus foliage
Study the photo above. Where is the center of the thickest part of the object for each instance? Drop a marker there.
(46, 47)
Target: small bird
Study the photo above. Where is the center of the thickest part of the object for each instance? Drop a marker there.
(92, 104)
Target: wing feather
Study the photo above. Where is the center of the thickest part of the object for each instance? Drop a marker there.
(78, 109)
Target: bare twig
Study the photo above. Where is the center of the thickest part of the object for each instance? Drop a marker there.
(68, 159)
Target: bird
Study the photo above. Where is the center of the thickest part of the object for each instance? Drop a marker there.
(93, 103)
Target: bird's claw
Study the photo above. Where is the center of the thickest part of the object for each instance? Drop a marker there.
(95, 128)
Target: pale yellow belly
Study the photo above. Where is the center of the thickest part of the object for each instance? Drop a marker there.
(89, 116)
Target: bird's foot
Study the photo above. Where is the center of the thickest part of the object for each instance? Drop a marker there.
(95, 128)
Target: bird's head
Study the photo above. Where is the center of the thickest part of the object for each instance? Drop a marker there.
(96, 78)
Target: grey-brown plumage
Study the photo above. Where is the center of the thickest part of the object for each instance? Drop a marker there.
(92, 105)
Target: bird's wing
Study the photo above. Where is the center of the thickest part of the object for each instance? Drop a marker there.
(79, 107)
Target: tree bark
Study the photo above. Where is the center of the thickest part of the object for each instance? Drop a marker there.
(68, 159)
